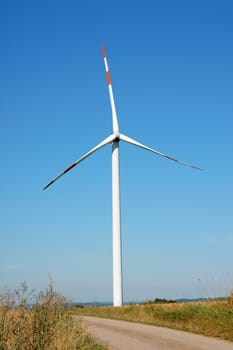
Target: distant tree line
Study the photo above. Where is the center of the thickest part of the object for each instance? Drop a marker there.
(160, 301)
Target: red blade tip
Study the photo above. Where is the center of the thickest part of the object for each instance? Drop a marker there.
(103, 52)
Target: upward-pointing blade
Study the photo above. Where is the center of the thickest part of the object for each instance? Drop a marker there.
(138, 144)
(114, 114)
(109, 139)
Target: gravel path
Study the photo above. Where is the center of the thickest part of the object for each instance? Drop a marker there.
(121, 335)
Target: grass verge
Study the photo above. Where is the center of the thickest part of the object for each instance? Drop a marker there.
(212, 318)
(45, 325)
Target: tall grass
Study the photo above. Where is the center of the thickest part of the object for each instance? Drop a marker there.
(212, 318)
(40, 322)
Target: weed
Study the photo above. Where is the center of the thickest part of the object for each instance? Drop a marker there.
(40, 322)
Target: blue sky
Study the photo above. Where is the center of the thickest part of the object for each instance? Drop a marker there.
(172, 76)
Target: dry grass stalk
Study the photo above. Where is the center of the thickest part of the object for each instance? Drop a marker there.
(44, 326)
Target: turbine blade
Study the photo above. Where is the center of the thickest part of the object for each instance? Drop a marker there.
(138, 144)
(114, 114)
(109, 139)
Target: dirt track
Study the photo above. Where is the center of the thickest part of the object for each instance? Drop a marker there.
(121, 335)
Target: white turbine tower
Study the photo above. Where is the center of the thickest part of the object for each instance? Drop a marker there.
(114, 139)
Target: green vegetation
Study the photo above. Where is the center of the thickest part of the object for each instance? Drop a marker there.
(160, 301)
(212, 318)
(45, 325)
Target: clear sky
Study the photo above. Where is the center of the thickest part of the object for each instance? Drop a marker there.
(171, 68)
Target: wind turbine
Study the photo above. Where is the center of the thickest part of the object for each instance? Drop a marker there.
(114, 139)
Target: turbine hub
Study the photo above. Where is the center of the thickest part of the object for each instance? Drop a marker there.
(116, 135)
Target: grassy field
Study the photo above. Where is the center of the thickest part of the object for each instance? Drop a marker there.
(49, 323)
(212, 318)
(44, 326)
